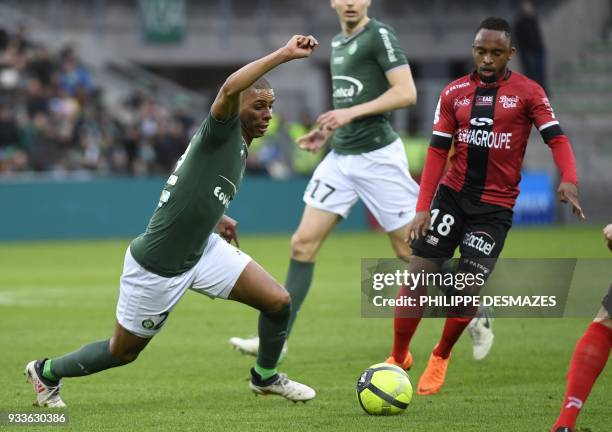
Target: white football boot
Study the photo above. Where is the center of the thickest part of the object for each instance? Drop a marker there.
(480, 330)
(250, 346)
(282, 386)
(47, 395)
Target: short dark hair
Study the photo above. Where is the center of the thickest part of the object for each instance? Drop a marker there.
(261, 84)
(495, 23)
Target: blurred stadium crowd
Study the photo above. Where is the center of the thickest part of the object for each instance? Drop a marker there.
(53, 119)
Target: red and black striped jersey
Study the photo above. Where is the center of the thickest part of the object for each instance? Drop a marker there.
(490, 125)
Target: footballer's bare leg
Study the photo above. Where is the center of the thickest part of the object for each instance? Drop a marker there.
(306, 242)
(314, 228)
(256, 288)
(398, 243)
(126, 346)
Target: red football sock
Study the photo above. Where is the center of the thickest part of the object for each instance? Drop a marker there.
(403, 327)
(589, 359)
(453, 327)
(403, 330)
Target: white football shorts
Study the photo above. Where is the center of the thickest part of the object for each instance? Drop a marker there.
(379, 178)
(146, 299)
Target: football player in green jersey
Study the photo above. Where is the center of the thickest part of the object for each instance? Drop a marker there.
(370, 77)
(180, 250)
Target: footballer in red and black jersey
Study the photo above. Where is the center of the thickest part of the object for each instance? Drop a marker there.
(490, 125)
(486, 117)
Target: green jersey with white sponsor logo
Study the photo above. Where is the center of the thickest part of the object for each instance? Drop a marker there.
(358, 67)
(196, 195)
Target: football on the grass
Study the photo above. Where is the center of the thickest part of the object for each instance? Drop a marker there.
(384, 389)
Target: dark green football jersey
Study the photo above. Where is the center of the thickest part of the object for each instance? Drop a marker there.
(358, 67)
(196, 195)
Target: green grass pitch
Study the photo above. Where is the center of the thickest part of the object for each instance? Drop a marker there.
(56, 296)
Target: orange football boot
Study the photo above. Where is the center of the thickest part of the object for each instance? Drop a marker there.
(433, 376)
(406, 364)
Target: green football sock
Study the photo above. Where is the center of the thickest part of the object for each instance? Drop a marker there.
(87, 360)
(272, 336)
(299, 278)
(46, 372)
(265, 373)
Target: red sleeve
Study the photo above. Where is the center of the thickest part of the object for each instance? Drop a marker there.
(564, 158)
(445, 122)
(432, 173)
(543, 116)
(541, 112)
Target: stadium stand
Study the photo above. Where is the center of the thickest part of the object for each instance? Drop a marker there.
(52, 117)
(130, 98)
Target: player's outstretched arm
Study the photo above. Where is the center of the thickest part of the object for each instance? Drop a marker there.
(402, 93)
(441, 142)
(543, 116)
(227, 102)
(432, 173)
(566, 163)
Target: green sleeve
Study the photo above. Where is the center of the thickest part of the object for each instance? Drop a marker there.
(217, 130)
(388, 52)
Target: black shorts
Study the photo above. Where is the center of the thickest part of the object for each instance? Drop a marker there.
(479, 229)
(607, 302)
